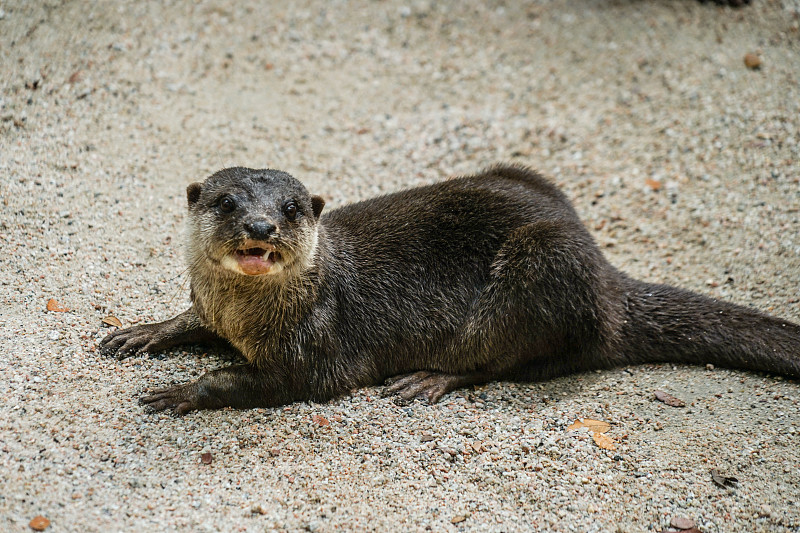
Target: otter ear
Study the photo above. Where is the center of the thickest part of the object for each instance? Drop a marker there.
(317, 203)
(193, 193)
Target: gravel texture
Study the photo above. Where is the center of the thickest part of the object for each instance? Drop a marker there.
(683, 161)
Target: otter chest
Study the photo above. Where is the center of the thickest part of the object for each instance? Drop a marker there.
(252, 322)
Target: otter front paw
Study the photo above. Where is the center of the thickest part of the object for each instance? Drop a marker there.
(429, 385)
(147, 338)
(181, 398)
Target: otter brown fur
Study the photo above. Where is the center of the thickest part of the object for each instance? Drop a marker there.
(478, 278)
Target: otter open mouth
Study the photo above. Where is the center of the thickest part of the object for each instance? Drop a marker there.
(255, 258)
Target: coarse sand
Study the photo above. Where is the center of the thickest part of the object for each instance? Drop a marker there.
(682, 160)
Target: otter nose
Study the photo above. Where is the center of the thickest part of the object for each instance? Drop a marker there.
(260, 229)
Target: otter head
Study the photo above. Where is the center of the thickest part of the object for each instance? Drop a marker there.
(253, 222)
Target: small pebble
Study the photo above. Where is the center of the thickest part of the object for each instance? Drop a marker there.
(39, 523)
(681, 522)
(752, 61)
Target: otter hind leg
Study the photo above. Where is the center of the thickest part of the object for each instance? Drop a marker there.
(538, 316)
(540, 307)
(429, 385)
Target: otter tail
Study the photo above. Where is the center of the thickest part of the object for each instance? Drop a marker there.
(667, 324)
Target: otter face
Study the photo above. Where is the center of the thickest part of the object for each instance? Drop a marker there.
(253, 222)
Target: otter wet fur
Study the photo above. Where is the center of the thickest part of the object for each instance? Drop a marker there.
(479, 278)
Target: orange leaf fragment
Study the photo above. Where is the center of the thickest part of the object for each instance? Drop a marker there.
(654, 184)
(575, 425)
(112, 321)
(55, 307)
(604, 441)
(595, 426)
(39, 523)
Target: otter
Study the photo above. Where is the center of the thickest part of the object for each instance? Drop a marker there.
(478, 278)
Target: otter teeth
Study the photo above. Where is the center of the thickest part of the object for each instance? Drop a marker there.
(254, 258)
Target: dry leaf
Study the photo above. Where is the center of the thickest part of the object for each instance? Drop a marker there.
(39, 523)
(595, 426)
(320, 420)
(668, 399)
(206, 458)
(575, 425)
(112, 321)
(55, 307)
(723, 481)
(653, 184)
(604, 441)
(458, 519)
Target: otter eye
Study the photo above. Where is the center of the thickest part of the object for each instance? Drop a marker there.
(227, 204)
(290, 210)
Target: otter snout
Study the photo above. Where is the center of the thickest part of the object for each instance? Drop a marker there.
(261, 229)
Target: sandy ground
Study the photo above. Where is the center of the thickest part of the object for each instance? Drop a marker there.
(683, 162)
